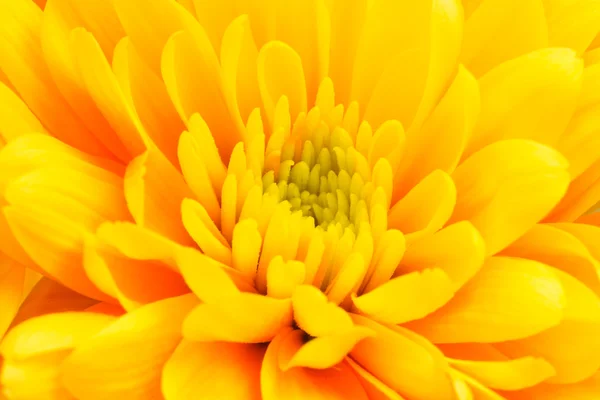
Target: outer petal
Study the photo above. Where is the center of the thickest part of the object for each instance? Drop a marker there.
(486, 309)
(34, 351)
(15, 117)
(12, 277)
(573, 24)
(501, 30)
(427, 150)
(243, 318)
(507, 187)
(572, 347)
(403, 361)
(125, 360)
(213, 371)
(550, 245)
(584, 390)
(507, 375)
(529, 97)
(25, 68)
(338, 383)
(458, 249)
(375, 389)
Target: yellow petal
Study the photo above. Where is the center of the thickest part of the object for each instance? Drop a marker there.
(403, 361)
(56, 244)
(133, 282)
(34, 351)
(52, 333)
(18, 377)
(12, 277)
(407, 48)
(213, 371)
(207, 278)
(204, 232)
(243, 318)
(273, 59)
(47, 297)
(103, 87)
(315, 315)
(196, 175)
(407, 297)
(245, 247)
(571, 347)
(21, 22)
(388, 253)
(488, 39)
(584, 390)
(426, 150)
(583, 193)
(529, 97)
(140, 19)
(507, 187)
(15, 117)
(239, 56)
(507, 375)
(572, 24)
(338, 383)
(347, 19)
(192, 79)
(471, 388)
(152, 103)
(375, 389)
(327, 351)
(580, 138)
(283, 277)
(100, 19)
(566, 253)
(154, 190)
(125, 360)
(458, 250)
(487, 311)
(434, 198)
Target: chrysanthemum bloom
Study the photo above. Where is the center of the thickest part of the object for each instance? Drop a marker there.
(300, 199)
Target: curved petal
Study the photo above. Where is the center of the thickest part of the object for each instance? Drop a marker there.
(12, 277)
(584, 390)
(426, 150)
(48, 297)
(403, 361)
(193, 82)
(375, 389)
(515, 374)
(554, 247)
(573, 24)
(426, 208)
(125, 360)
(458, 250)
(486, 310)
(213, 371)
(501, 30)
(25, 68)
(154, 190)
(529, 97)
(242, 318)
(273, 59)
(15, 117)
(507, 187)
(338, 383)
(407, 297)
(572, 347)
(34, 351)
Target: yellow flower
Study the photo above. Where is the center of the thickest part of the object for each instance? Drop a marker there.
(300, 199)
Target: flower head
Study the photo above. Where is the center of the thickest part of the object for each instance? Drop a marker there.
(343, 199)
